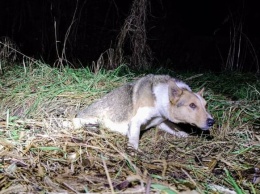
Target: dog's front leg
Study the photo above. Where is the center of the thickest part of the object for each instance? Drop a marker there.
(171, 128)
(134, 134)
(140, 119)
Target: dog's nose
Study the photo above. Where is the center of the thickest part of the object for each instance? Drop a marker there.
(210, 122)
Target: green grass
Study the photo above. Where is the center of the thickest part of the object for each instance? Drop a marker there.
(232, 182)
(40, 84)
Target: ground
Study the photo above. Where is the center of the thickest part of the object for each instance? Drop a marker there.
(39, 155)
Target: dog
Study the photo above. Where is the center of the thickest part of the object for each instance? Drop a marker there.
(151, 101)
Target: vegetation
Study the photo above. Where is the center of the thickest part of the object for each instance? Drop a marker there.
(39, 155)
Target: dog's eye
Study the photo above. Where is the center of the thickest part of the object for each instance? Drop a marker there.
(193, 106)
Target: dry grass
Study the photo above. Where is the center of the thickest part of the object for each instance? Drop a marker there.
(39, 156)
(133, 38)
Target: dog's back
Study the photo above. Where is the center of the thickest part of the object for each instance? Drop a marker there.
(122, 103)
(116, 105)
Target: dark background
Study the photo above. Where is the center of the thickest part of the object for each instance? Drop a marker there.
(193, 35)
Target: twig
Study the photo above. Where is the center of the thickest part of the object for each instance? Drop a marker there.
(148, 185)
(187, 174)
(108, 176)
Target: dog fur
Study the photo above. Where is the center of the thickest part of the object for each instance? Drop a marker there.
(153, 100)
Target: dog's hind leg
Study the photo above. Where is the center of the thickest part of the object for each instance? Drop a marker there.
(77, 123)
(80, 122)
(171, 128)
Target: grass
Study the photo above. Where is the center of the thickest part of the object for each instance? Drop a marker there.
(38, 155)
(41, 84)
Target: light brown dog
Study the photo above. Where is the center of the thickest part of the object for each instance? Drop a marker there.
(153, 100)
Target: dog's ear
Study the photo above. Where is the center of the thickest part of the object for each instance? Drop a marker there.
(201, 92)
(174, 92)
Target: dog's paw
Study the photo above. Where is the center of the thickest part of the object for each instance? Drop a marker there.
(181, 134)
(130, 150)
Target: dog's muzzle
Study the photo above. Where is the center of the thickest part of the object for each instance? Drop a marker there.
(210, 122)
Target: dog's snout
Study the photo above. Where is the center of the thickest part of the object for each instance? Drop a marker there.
(210, 122)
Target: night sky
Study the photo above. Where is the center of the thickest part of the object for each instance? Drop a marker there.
(181, 34)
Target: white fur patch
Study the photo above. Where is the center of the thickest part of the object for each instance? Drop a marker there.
(117, 127)
(162, 99)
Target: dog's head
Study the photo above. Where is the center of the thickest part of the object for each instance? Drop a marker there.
(188, 107)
